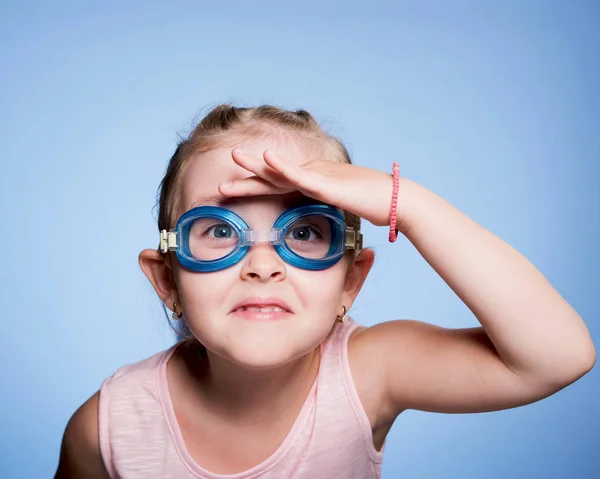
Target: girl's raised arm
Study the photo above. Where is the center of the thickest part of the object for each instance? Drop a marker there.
(532, 343)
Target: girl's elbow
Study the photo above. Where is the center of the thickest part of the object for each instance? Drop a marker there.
(564, 369)
(589, 359)
(579, 365)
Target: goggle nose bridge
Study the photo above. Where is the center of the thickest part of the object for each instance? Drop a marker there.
(274, 236)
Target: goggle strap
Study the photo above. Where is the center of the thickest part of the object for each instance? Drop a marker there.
(168, 241)
(354, 240)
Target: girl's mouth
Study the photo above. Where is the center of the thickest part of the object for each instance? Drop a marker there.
(261, 313)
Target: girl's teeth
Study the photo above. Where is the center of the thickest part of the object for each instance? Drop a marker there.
(262, 310)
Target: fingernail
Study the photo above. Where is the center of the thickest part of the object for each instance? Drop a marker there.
(226, 184)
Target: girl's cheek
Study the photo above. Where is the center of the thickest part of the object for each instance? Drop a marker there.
(203, 290)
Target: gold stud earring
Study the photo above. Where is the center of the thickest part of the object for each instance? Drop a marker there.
(344, 317)
(175, 314)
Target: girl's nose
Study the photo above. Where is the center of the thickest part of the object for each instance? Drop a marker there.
(262, 263)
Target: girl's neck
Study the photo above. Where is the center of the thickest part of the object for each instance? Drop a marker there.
(235, 392)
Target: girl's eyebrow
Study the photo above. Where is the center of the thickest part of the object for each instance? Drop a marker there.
(217, 200)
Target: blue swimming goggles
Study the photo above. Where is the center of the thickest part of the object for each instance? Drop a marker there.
(211, 238)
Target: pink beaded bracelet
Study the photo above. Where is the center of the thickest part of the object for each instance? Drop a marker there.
(393, 231)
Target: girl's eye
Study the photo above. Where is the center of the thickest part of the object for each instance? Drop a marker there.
(220, 231)
(305, 233)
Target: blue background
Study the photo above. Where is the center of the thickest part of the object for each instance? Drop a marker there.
(492, 105)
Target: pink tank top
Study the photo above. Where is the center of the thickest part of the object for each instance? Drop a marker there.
(331, 437)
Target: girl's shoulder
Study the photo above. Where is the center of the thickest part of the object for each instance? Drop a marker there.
(80, 454)
(141, 369)
(81, 449)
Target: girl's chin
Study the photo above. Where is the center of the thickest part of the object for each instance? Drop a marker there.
(264, 359)
(256, 356)
(264, 345)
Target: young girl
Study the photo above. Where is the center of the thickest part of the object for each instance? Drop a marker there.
(260, 259)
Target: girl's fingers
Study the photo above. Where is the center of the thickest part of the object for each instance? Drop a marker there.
(258, 167)
(288, 170)
(308, 178)
(283, 176)
(252, 186)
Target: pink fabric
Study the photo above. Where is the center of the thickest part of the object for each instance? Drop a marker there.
(331, 437)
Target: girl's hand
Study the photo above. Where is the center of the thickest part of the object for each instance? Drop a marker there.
(363, 191)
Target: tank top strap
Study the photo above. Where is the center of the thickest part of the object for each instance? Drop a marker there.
(339, 399)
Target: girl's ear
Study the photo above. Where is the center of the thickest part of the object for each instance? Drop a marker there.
(158, 271)
(356, 275)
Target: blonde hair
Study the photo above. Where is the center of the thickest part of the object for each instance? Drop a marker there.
(216, 130)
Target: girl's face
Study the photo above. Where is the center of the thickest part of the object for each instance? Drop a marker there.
(209, 299)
